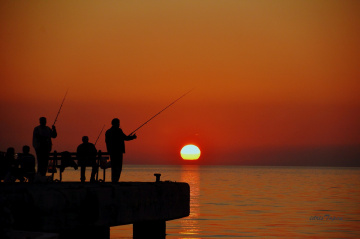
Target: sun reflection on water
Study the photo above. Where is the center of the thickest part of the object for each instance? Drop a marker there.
(190, 225)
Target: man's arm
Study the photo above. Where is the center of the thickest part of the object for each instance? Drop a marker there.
(35, 138)
(94, 150)
(53, 132)
(78, 153)
(107, 141)
(129, 137)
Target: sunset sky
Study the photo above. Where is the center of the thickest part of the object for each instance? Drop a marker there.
(269, 78)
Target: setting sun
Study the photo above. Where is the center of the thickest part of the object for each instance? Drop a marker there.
(190, 152)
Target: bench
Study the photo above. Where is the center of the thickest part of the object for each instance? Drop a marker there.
(62, 160)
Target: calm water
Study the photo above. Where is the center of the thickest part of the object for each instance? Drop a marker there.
(276, 202)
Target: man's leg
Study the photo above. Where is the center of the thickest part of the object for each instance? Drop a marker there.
(94, 171)
(114, 171)
(116, 167)
(42, 162)
(82, 174)
(120, 165)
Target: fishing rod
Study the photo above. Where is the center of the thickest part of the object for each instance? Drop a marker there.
(60, 107)
(160, 112)
(99, 134)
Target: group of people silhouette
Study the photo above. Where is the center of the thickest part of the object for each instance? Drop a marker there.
(23, 167)
(12, 168)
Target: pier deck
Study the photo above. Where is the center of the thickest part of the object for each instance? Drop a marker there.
(88, 210)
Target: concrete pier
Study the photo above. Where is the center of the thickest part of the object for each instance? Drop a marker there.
(88, 210)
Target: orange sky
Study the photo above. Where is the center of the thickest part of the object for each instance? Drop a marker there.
(267, 74)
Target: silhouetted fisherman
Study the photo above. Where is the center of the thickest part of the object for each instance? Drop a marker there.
(114, 139)
(3, 166)
(12, 167)
(6, 162)
(42, 143)
(67, 161)
(86, 154)
(27, 163)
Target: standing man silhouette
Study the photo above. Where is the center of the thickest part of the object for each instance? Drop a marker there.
(42, 143)
(114, 139)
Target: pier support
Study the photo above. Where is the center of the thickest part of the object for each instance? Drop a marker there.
(155, 229)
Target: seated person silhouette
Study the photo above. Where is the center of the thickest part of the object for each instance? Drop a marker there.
(86, 154)
(67, 161)
(11, 170)
(27, 164)
(3, 166)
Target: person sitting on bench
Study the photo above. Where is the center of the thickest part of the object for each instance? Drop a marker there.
(86, 154)
(27, 163)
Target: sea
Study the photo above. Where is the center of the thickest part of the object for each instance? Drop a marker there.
(256, 202)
